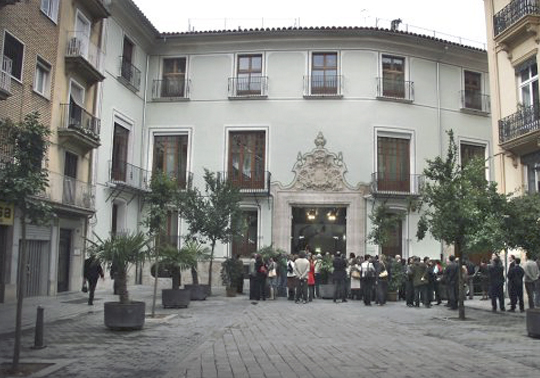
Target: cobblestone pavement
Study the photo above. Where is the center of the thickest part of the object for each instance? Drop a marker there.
(231, 337)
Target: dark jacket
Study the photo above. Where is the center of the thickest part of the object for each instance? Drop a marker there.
(420, 276)
(450, 274)
(340, 266)
(515, 275)
(496, 274)
(92, 270)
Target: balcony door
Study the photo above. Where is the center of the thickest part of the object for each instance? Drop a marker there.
(76, 102)
(246, 159)
(393, 164)
(473, 90)
(393, 73)
(170, 157)
(82, 30)
(324, 71)
(246, 243)
(174, 77)
(70, 178)
(249, 75)
(127, 59)
(394, 244)
(119, 155)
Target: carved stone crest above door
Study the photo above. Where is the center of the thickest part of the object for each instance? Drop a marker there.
(319, 169)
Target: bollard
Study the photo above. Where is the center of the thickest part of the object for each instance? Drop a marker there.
(38, 339)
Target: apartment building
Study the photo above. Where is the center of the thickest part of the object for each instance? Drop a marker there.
(512, 30)
(52, 63)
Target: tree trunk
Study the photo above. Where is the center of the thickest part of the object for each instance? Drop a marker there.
(194, 275)
(122, 285)
(156, 278)
(176, 277)
(461, 292)
(21, 288)
(210, 268)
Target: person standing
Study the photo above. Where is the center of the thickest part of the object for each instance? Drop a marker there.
(532, 280)
(318, 278)
(382, 280)
(252, 276)
(367, 272)
(471, 271)
(301, 271)
(515, 285)
(260, 279)
(420, 282)
(496, 283)
(484, 280)
(272, 277)
(438, 274)
(450, 278)
(92, 272)
(355, 278)
(311, 278)
(291, 278)
(340, 277)
(240, 281)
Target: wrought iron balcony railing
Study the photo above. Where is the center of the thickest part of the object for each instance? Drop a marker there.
(525, 120)
(68, 191)
(323, 86)
(395, 89)
(476, 101)
(395, 184)
(122, 172)
(184, 179)
(513, 12)
(77, 118)
(5, 75)
(249, 182)
(252, 86)
(130, 73)
(171, 89)
(79, 45)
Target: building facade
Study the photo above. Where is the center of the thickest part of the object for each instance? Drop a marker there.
(512, 31)
(52, 61)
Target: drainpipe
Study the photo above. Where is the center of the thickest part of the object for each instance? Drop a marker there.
(439, 124)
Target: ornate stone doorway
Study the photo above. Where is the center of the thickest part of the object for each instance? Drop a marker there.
(319, 229)
(319, 183)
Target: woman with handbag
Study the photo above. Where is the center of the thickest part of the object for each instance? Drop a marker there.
(356, 292)
(272, 277)
(311, 278)
(382, 281)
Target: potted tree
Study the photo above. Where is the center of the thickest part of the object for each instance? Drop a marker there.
(231, 271)
(396, 279)
(198, 292)
(327, 268)
(173, 261)
(122, 250)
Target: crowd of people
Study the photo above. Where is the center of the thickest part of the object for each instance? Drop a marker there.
(419, 282)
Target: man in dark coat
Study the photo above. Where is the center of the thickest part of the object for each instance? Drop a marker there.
(340, 277)
(496, 283)
(420, 282)
(515, 285)
(450, 278)
(92, 272)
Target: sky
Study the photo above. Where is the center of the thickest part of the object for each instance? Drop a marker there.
(450, 19)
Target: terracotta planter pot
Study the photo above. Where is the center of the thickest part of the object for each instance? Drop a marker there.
(124, 317)
(198, 292)
(327, 291)
(175, 297)
(533, 322)
(392, 296)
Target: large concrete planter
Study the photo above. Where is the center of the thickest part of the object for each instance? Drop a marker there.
(327, 291)
(198, 292)
(392, 296)
(175, 297)
(533, 322)
(124, 317)
(230, 291)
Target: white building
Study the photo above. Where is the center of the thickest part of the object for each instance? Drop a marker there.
(315, 125)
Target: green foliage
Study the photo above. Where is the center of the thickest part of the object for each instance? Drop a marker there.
(463, 208)
(327, 268)
(22, 173)
(163, 193)
(213, 215)
(269, 251)
(383, 223)
(231, 271)
(120, 251)
(523, 223)
(397, 276)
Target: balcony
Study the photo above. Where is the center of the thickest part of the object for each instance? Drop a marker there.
(519, 132)
(171, 90)
(5, 78)
(395, 90)
(129, 74)
(70, 195)
(128, 176)
(323, 86)
(516, 19)
(391, 185)
(79, 127)
(96, 9)
(475, 102)
(256, 183)
(248, 87)
(83, 57)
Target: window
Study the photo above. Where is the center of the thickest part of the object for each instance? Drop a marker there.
(70, 178)
(170, 157)
(126, 70)
(528, 83)
(469, 152)
(394, 244)
(42, 79)
(473, 90)
(249, 75)
(174, 77)
(324, 73)
(170, 233)
(246, 243)
(77, 113)
(119, 153)
(393, 164)
(246, 159)
(50, 9)
(393, 76)
(14, 52)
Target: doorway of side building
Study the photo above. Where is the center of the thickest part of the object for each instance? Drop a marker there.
(64, 253)
(321, 229)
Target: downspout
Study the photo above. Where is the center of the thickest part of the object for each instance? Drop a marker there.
(440, 127)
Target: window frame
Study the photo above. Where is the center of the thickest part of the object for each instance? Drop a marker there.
(180, 135)
(383, 93)
(330, 91)
(528, 83)
(18, 79)
(45, 67)
(251, 74)
(476, 91)
(259, 183)
(184, 88)
(242, 244)
(50, 9)
(475, 143)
